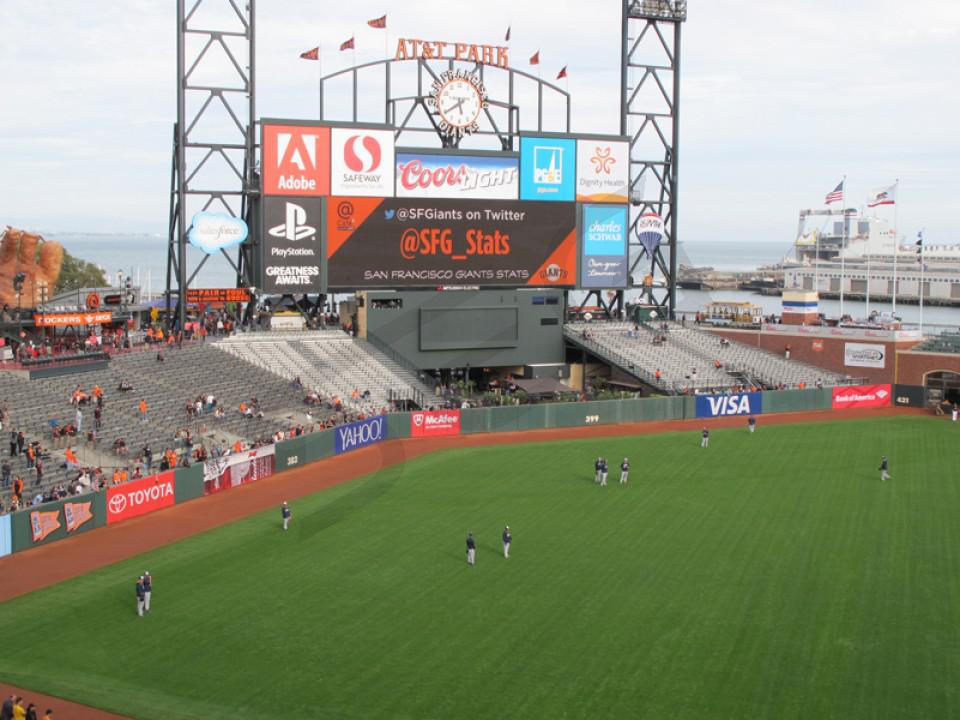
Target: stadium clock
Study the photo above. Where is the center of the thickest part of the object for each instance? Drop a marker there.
(458, 97)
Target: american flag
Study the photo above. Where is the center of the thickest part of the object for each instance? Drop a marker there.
(835, 196)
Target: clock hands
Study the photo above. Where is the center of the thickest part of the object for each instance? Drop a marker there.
(458, 104)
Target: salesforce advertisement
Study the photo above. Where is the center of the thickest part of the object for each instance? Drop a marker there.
(428, 175)
(360, 434)
(709, 406)
(603, 231)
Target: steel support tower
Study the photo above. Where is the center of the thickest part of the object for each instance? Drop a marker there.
(213, 144)
(650, 116)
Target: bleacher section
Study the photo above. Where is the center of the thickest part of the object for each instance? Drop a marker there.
(332, 363)
(945, 342)
(688, 351)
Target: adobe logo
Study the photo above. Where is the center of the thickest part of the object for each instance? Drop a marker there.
(295, 160)
(361, 153)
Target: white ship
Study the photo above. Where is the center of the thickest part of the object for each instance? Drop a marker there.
(861, 257)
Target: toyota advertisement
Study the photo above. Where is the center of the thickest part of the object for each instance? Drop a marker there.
(361, 162)
(426, 175)
(140, 497)
(356, 435)
(433, 423)
(604, 246)
(857, 396)
(397, 242)
(291, 244)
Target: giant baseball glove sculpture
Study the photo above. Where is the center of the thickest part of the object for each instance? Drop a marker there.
(18, 254)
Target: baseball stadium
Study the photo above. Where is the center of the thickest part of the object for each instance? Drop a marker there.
(369, 479)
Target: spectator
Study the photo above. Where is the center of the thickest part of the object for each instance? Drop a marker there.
(142, 410)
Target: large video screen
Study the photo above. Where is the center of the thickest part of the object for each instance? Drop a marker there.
(397, 242)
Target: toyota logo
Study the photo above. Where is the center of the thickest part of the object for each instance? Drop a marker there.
(117, 504)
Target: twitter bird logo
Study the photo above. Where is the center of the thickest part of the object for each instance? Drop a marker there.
(388, 214)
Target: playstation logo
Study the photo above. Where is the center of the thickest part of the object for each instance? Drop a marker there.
(294, 226)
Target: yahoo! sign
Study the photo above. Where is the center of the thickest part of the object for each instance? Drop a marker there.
(457, 176)
(360, 434)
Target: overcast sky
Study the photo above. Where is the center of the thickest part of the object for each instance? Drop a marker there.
(780, 100)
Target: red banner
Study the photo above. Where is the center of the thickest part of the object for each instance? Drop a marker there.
(62, 319)
(239, 469)
(140, 497)
(432, 423)
(861, 396)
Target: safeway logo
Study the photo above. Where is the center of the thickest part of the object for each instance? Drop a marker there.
(296, 160)
(435, 422)
(362, 153)
(294, 226)
(140, 497)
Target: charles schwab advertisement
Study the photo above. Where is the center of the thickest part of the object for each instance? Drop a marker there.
(604, 261)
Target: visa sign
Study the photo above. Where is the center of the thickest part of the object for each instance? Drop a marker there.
(726, 405)
(360, 434)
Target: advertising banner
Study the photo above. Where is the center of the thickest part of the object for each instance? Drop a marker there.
(361, 162)
(726, 405)
(44, 522)
(75, 514)
(548, 169)
(861, 396)
(867, 355)
(140, 497)
(604, 245)
(429, 175)
(296, 160)
(217, 295)
(246, 467)
(359, 434)
(291, 244)
(425, 243)
(433, 423)
(6, 536)
(216, 231)
(650, 230)
(603, 171)
(62, 319)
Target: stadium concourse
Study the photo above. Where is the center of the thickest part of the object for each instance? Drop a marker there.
(250, 380)
(689, 359)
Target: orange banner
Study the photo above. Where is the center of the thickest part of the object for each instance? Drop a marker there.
(43, 523)
(61, 319)
(76, 514)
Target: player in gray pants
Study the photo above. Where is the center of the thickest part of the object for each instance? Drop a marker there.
(147, 591)
(884, 468)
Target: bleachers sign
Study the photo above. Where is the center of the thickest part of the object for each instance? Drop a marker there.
(709, 406)
(361, 433)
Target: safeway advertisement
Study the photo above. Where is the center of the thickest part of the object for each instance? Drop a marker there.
(408, 242)
(140, 497)
(432, 423)
(861, 396)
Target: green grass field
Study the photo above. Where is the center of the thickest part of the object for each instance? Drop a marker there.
(770, 576)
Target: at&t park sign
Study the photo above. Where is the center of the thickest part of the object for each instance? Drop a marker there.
(413, 49)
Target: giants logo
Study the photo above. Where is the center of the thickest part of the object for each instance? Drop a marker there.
(296, 160)
(361, 153)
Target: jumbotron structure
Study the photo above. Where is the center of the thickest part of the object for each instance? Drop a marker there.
(444, 128)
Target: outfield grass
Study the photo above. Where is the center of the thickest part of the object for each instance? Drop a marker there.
(770, 576)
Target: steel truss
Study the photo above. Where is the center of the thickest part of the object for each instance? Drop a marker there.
(213, 139)
(650, 116)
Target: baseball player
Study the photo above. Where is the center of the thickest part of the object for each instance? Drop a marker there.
(624, 471)
(751, 423)
(147, 590)
(140, 595)
(604, 469)
(507, 539)
(884, 468)
(596, 470)
(471, 550)
(705, 438)
(954, 412)
(285, 513)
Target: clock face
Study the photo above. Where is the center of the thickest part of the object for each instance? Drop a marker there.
(459, 103)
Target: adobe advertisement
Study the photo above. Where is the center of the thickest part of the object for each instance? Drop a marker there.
(604, 246)
(434, 423)
(139, 497)
(295, 160)
(361, 162)
(603, 171)
(429, 175)
(850, 396)
(548, 169)
(291, 244)
(396, 242)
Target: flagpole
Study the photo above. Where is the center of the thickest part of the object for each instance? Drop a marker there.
(921, 284)
(896, 241)
(843, 243)
(320, 81)
(868, 282)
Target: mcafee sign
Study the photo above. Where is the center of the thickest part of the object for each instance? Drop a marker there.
(432, 423)
(140, 497)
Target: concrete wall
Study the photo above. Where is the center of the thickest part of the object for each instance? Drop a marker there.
(482, 328)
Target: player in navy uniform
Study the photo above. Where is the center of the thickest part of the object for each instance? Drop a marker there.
(624, 471)
(285, 513)
(507, 539)
(147, 591)
(705, 438)
(596, 470)
(471, 550)
(140, 592)
(604, 469)
(884, 468)
(751, 423)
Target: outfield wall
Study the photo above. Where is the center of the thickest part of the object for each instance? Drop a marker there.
(57, 520)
